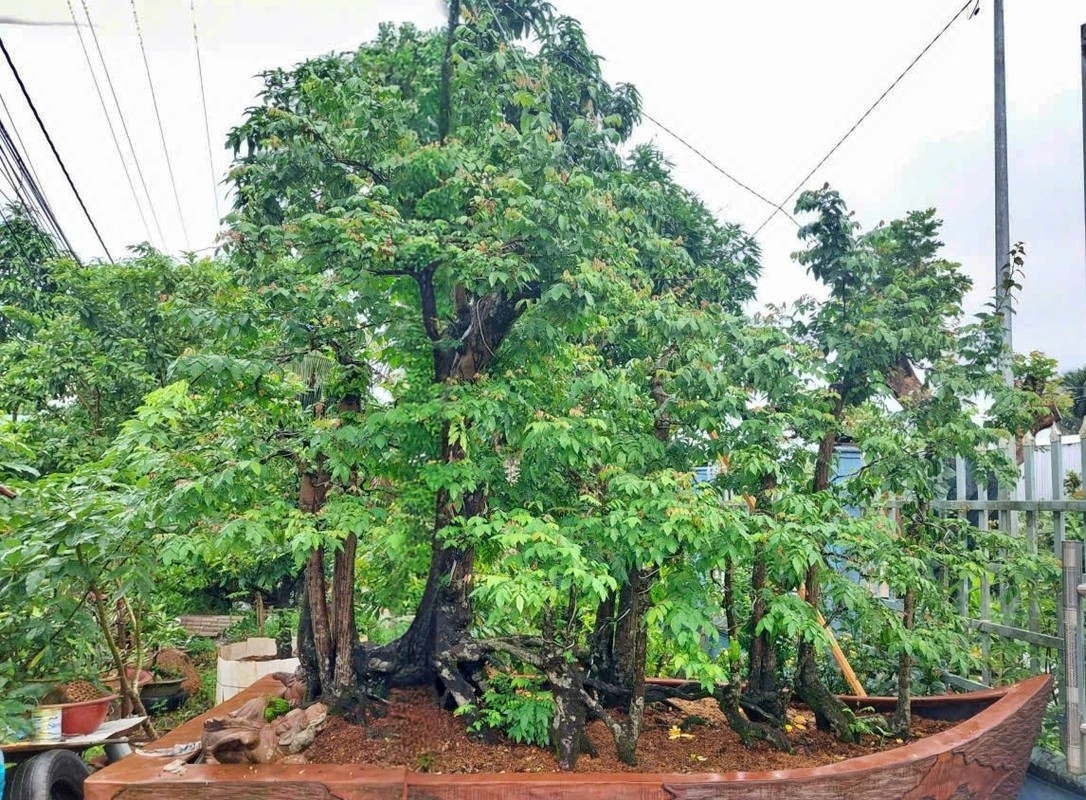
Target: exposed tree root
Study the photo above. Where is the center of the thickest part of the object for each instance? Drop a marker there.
(728, 699)
(831, 714)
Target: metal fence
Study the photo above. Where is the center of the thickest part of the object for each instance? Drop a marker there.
(999, 606)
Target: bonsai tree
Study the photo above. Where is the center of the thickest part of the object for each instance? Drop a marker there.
(468, 199)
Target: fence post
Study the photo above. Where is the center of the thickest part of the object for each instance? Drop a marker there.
(960, 495)
(1059, 524)
(1009, 596)
(1075, 703)
(1033, 619)
(983, 493)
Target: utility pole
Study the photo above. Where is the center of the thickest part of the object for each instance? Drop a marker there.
(1002, 206)
(1082, 32)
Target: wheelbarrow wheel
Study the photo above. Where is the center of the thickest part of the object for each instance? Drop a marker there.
(53, 775)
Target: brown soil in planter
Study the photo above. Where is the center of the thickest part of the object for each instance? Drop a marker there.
(422, 737)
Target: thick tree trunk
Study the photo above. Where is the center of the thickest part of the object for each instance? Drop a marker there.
(444, 613)
(344, 629)
(830, 713)
(902, 719)
(460, 354)
(461, 349)
(316, 593)
(570, 713)
(601, 661)
(764, 698)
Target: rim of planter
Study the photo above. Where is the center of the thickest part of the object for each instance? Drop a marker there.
(81, 703)
(943, 752)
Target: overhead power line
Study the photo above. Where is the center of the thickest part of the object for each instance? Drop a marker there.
(19, 139)
(158, 119)
(26, 188)
(109, 121)
(20, 171)
(124, 123)
(203, 101)
(712, 163)
(53, 147)
(866, 114)
(584, 71)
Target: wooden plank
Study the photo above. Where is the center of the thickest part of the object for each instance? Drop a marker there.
(1008, 632)
(961, 507)
(958, 682)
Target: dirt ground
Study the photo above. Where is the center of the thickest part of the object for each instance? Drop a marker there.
(417, 734)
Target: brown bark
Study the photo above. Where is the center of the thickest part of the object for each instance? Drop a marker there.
(602, 659)
(904, 382)
(764, 698)
(902, 719)
(129, 691)
(344, 629)
(316, 594)
(764, 695)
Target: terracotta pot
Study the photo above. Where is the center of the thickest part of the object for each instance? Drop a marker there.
(81, 718)
(982, 758)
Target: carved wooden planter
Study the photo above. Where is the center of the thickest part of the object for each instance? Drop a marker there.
(983, 757)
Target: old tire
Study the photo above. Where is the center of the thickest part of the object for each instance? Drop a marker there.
(53, 775)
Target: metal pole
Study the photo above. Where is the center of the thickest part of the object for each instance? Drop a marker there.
(1002, 203)
(1073, 656)
(1082, 32)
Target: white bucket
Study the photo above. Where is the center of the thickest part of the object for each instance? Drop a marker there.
(45, 724)
(233, 673)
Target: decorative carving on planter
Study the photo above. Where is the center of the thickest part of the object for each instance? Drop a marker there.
(983, 758)
(245, 737)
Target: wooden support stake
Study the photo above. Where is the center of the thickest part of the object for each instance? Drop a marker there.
(838, 654)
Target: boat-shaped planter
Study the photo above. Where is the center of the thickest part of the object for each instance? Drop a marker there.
(983, 757)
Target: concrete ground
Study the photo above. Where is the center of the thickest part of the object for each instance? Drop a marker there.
(1036, 789)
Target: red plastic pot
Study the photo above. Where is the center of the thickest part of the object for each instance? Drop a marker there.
(77, 719)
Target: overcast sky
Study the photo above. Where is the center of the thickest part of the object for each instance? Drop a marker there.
(765, 89)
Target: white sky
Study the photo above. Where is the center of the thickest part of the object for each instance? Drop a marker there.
(764, 89)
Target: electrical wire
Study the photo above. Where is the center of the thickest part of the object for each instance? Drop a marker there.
(24, 180)
(712, 163)
(866, 114)
(109, 121)
(19, 139)
(124, 123)
(28, 191)
(203, 101)
(53, 147)
(158, 119)
(588, 74)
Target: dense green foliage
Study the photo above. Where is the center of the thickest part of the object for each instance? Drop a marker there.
(449, 379)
